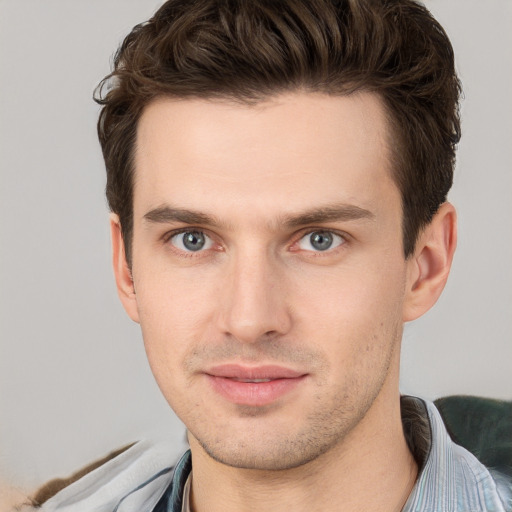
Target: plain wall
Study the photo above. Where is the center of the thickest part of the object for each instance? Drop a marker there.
(74, 381)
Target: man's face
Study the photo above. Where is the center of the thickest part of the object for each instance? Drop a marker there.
(268, 271)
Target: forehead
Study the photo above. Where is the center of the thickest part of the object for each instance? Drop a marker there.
(289, 152)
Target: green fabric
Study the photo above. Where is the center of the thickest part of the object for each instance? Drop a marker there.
(481, 425)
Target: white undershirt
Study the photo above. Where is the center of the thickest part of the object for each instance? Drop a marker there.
(185, 504)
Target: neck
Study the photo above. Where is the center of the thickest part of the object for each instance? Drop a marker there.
(369, 470)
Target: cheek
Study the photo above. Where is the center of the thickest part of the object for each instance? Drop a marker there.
(167, 294)
(352, 294)
(176, 309)
(354, 315)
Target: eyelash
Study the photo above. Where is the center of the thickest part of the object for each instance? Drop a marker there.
(328, 252)
(167, 237)
(186, 254)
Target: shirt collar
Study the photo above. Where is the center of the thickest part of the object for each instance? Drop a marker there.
(451, 479)
(172, 499)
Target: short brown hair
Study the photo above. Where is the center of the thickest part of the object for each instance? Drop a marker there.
(249, 50)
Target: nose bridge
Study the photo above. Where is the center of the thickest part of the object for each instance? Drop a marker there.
(254, 298)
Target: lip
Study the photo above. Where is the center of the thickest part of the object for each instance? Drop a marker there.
(253, 385)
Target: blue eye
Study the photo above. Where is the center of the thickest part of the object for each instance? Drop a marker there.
(191, 241)
(320, 241)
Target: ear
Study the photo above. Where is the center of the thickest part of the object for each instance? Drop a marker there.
(122, 272)
(429, 266)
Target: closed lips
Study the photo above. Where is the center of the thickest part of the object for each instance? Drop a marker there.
(253, 386)
(253, 374)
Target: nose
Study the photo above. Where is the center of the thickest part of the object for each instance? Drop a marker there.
(254, 299)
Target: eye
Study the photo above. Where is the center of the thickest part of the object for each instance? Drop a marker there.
(191, 241)
(320, 241)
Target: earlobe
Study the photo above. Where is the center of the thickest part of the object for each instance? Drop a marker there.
(122, 272)
(430, 264)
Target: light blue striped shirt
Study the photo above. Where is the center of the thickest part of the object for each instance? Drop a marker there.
(451, 479)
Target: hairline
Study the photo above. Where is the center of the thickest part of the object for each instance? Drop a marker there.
(391, 134)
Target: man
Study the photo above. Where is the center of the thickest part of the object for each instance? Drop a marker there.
(278, 174)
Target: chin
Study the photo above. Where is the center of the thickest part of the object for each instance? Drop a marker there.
(263, 460)
(267, 451)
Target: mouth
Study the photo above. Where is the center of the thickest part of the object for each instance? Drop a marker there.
(253, 386)
(256, 381)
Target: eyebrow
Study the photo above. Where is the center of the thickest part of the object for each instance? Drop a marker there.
(168, 214)
(329, 213)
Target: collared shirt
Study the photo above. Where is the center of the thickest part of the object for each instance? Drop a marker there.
(450, 479)
(185, 503)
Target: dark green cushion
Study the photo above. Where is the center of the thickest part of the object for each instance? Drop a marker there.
(481, 425)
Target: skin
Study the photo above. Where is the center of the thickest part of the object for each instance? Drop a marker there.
(260, 293)
(12, 498)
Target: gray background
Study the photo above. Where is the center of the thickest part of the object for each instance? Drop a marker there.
(74, 382)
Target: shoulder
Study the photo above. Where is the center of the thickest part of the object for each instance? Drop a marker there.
(144, 466)
(483, 426)
(453, 476)
(51, 488)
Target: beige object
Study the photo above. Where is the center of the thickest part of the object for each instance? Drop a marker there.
(12, 498)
